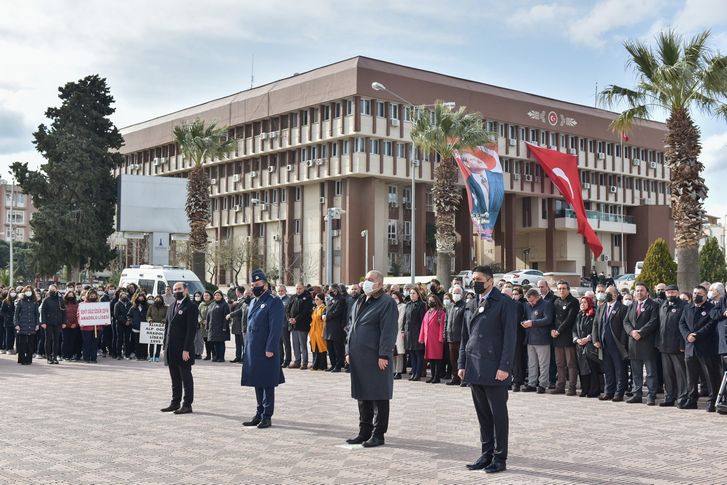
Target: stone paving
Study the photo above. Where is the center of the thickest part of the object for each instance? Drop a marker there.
(79, 423)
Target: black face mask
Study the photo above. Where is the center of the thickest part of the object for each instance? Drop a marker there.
(479, 287)
(179, 295)
(662, 295)
(247, 299)
(698, 299)
(258, 291)
(124, 298)
(673, 299)
(431, 304)
(433, 288)
(609, 297)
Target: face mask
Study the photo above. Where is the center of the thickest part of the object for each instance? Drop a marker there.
(197, 298)
(457, 297)
(673, 299)
(124, 298)
(13, 294)
(431, 304)
(447, 302)
(91, 299)
(368, 287)
(710, 294)
(28, 294)
(601, 296)
(609, 297)
(433, 288)
(179, 295)
(479, 287)
(698, 299)
(258, 291)
(628, 302)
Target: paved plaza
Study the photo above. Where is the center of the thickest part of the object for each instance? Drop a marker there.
(81, 423)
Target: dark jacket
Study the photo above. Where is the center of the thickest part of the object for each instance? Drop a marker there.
(7, 309)
(121, 312)
(265, 317)
(52, 310)
(542, 316)
(372, 336)
(218, 327)
(413, 317)
(181, 329)
(698, 320)
(300, 308)
(336, 313)
(455, 318)
(489, 333)
(670, 340)
(614, 325)
(238, 312)
(26, 316)
(583, 328)
(718, 315)
(565, 312)
(137, 314)
(648, 326)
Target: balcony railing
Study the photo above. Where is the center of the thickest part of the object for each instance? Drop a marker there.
(601, 216)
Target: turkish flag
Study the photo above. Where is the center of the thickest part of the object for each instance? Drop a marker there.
(562, 169)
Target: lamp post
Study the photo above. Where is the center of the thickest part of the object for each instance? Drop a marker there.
(331, 213)
(12, 230)
(365, 235)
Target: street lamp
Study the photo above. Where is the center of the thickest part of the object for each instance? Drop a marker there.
(331, 213)
(365, 235)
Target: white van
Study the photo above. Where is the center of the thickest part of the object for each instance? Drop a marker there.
(154, 279)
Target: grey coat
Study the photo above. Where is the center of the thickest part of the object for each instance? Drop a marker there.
(453, 327)
(372, 337)
(27, 316)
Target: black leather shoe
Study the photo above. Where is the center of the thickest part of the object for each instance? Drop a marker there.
(606, 397)
(482, 462)
(617, 398)
(711, 408)
(690, 405)
(541, 390)
(358, 440)
(651, 402)
(338, 369)
(635, 399)
(265, 423)
(666, 404)
(557, 391)
(529, 389)
(184, 410)
(253, 422)
(397, 376)
(171, 408)
(454, 382)
(496, 467)
(516, 388)
(373, 442)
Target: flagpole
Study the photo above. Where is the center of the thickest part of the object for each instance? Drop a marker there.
(623, 197)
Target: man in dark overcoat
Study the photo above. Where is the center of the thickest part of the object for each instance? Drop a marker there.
(486, 351)
(370, 353)
(261, 358)
(642, 325)
(179, 348)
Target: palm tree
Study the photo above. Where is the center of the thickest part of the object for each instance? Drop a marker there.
(676, 77)
(199, 143)
(443, 130)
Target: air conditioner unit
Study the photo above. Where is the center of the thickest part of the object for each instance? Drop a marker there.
(586, 185)
(553, 147)
(614, 189)
(162, 160)
(237, 207)
(213, 181)
(276, 237)
(322, 200)
(271, 168)
(253, 174)
(319, 161)
(512, 142)
(636, 162)
(652, 164)
(394, 122)
(601, 156)
(604, 257)
(516, 176)
(407, 237)
(155, 162)
(407, 205)
(236, 178)
(528, 178)
(263, 207)
(309, 163)
(573, 151)
(263, 136)
(393, 240)
(393, 199)
(289, 168)
(273, 134)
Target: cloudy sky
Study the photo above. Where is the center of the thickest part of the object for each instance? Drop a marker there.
(163, 55)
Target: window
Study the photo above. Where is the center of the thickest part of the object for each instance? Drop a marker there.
(324, 151)
(334, 149)
(513, 132)
(392, 230)
(590, 146)
(617, 240)
(407, 114)
(394, 111)
(507, 165)
(387, 149)
(380, 109)
(304, 118)
(297, 194)
(283, 193)
(18, 199)
(573, 142)
(609, 149)
(534, 135)
(400, 150)
(582, 144)
(393, 193)
(618, 150)
(407, 230)
(296, 226)
(374, 146)
(543, 208)
(349, 107)
(491, 126)
(553, 140)
(261, 230)
(543, 137)
(293, 120)
(430, 201)
(339, 188)
(360, 145)
(14, 217)
(345, 147)
(366, 107)
(502, 130)
(275, 196)
(407, 195)
(326, 113)
(523, 134)
(337, 112)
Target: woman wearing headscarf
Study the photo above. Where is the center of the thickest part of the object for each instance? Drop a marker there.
(317, 342)
(586, 353)
(413, 317)
(218, 327)
(27, 323)
(156, 313)
(71, 331)
(203, 306)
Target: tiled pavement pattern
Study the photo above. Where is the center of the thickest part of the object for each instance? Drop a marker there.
(80, 423)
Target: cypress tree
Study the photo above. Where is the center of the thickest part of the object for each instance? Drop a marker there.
(659, 265)
(711, 262)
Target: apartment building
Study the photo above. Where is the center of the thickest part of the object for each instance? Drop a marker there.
(16, 209)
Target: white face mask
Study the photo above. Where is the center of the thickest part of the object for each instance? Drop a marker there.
(710, 294)
(601, 296)
(447, 302)
(628, 302)
(368, 287)
(197, 298)
(28, 294)
(13, 294)
(456, 297)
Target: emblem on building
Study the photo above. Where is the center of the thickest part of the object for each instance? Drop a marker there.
(552, 118)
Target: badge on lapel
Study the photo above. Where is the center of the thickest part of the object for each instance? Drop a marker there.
(673, 310)
(262, 306)
(704, 314)
(482, 309)
(564, 307)
(179, 312)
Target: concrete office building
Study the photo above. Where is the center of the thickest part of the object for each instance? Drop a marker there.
(326, 138)
(17, 207)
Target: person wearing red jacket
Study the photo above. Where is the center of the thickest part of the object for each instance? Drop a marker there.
(432, 336)
(71, 331)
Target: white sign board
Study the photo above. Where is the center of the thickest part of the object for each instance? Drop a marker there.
(151, 333)
(96, 313)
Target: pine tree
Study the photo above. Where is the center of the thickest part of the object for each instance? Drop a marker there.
(659, 265)
(74, 191)
(712, 265)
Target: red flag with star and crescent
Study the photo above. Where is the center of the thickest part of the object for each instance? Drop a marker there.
(562, 169)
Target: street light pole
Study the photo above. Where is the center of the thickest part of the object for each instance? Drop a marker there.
(331, 213)
(12, 231)
(412, 256)
(365, 235)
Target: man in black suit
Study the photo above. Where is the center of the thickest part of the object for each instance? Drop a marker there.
(610, 338)
(489, 333)
(641, 325)
(701, 350)
(671, 345)
(179, 349)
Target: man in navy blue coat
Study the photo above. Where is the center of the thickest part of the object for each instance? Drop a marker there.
(489, 334)
(261, 359)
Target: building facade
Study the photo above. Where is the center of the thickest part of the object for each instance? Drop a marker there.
(326, 139)
(16, 209)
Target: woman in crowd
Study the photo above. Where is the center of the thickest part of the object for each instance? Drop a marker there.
(203, 306)
(431, 335)
(71, 332)
(335, 328)
(137, 314)
(90, 333)
(218, 328)
(317, 342)
(27, 323)
(586, 353)
(156, 313)
(520, 358)
(413, 317)
(400, 348)
(7, 310)
(198, 338)
(123, 326)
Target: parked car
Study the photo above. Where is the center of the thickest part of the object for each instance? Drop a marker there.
(625, 281)
(523, 277)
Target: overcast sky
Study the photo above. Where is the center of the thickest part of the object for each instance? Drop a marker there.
(164, 55)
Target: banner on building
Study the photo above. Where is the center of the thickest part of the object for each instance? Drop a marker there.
(151, 333)
(562, 169)
(482, 172)
(94, 313)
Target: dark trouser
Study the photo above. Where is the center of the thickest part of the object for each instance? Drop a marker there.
(239, 343)
(614, 369)
(637, 371)
(565, 360)
(591, 383)
(26, 344)
(417, 362)
(153, 350)
(319, 360)
(39, 343)
(208, 347)
(52, 341)
(218, 352)
(675, 377)
(436, 367)
(373, 418)
(710, 367)
(453, 356)
(265, 402)
(181, 375)
(553, 366)
(117, 344)
(107, 339)
(71, 343)
(123, 344)
(90, 345)
(141, 350)
(446, 369)
(285, 348)
(336, 352)
(491, 407)
(9, 338)
(519, 364)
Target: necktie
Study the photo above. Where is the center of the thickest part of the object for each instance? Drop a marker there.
(608, 312)
(638, 309)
